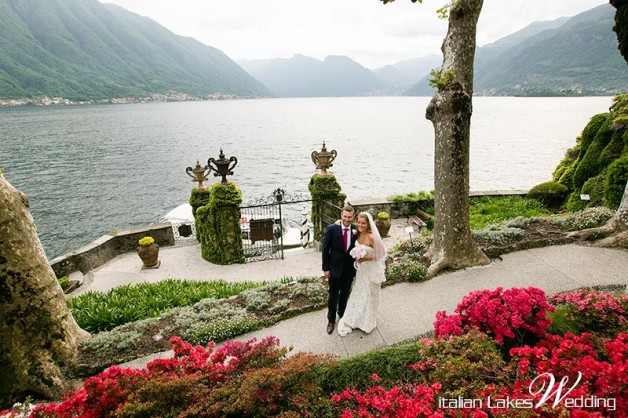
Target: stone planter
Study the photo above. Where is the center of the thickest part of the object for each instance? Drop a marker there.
(149, 255)
(383, 226)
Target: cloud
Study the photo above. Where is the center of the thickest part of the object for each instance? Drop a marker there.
(369, 32)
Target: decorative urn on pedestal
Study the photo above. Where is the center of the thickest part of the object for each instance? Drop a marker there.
(383, 223)
(149, 253)
(323, 159)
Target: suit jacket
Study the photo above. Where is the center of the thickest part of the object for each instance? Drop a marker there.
(335, 258)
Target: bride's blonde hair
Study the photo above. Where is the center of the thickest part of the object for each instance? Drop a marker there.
(366, 218)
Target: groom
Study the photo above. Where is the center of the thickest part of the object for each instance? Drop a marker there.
(338, 264)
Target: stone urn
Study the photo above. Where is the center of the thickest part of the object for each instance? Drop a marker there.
(382, 222)
(148, 251)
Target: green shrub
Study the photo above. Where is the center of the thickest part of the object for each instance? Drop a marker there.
(407, 270)
(98, 311)
(563, 322)
(64, 282)
(551, 194)
(410, 202)
(574, 203)
(564, 171)
(594, 187)
(389, 363)
(616, 181)
(590, 165)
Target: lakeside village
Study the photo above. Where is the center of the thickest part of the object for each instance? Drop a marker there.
(168, 97)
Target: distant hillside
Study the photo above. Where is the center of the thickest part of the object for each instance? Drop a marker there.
(563, 57)
(82, 49)
(302, 76)
(405, 73)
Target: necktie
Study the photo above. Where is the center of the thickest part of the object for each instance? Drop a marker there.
(345, 238)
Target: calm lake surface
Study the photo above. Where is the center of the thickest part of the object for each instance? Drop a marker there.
(91, 169)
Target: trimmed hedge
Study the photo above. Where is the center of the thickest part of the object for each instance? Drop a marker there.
(551, 194)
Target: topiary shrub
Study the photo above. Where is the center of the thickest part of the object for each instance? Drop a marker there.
(590, 164)
(616, 181)
(574, 203)
(552, 194)
(565, 169)
(594, 187)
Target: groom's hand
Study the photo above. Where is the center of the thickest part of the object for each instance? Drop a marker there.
(327, 274)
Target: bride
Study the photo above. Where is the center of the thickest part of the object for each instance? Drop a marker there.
(369, 252)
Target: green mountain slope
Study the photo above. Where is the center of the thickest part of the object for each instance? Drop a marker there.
(82, 49)
(579, 57)
(576, 56)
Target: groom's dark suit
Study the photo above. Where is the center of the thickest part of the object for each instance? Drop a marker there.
(338, 261)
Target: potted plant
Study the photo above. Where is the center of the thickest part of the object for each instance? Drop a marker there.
(148, 251)
(383, 223)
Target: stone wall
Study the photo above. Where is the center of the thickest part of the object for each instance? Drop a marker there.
(109, 246)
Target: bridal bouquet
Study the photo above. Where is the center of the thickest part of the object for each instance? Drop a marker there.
(357, 253)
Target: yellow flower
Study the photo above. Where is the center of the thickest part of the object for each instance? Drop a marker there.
(383, 216)
(146, 241)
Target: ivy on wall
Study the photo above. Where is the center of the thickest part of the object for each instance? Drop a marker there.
(198, 198)
(218, 225)
(324, 188)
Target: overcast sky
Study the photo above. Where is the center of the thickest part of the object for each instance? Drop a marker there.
(369, 32)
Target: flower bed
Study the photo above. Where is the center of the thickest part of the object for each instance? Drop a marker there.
(462, 371)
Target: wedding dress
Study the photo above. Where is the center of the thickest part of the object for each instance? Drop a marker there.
(361, 311)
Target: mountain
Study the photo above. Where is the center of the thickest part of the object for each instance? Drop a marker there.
(405, 73)
(302, 76)
(82, 49)
(568, 56)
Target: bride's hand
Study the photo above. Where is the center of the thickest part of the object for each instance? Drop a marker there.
(338, 222)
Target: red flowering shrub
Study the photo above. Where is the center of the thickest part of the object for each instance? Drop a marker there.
(593, 310)
(602, 374)
(409, 401)
(508, 314)
(191, 378)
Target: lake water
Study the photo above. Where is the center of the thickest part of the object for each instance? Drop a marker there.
(92, 169)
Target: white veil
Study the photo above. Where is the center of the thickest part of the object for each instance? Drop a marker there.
(378, 244)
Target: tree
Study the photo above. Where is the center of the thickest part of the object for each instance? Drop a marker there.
(38, 335)
(621, 25)
(450, 112)
(615, 232)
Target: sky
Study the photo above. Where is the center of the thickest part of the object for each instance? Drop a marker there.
(369, 32)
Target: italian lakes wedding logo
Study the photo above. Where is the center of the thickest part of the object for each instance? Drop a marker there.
(544, 388)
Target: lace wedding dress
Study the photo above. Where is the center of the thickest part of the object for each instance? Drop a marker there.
(363, 302)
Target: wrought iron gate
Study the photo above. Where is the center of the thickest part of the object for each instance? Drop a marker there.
(274, 223)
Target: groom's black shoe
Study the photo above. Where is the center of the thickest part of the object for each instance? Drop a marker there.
(330, 327)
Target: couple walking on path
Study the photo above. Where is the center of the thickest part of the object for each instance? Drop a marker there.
(353, 251)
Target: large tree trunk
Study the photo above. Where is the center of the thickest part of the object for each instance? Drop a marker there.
(450, 112)
(614, 233)
(38, 335)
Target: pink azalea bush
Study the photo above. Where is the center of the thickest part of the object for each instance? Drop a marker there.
(594, 310)
(503, 314)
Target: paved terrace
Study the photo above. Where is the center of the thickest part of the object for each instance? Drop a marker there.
(406, 310)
